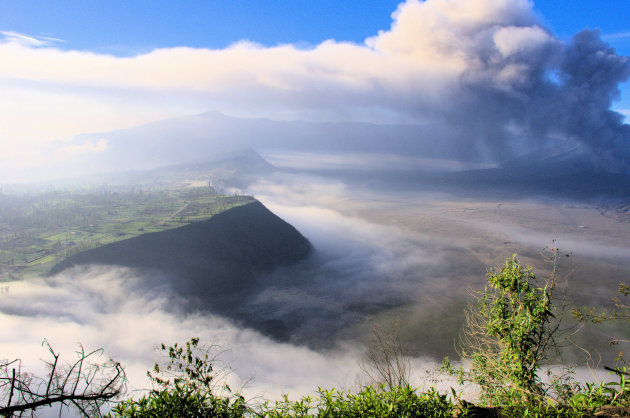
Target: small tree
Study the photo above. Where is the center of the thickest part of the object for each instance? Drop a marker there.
(386, 361)
(510, 332)
(185, 385)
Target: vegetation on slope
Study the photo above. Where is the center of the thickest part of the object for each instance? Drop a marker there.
(39, 231)
(42, 225)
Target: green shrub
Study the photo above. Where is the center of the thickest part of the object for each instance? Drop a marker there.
(184, 387)
(593, 396)
(401, 401)
(509, 333)
(512, 332)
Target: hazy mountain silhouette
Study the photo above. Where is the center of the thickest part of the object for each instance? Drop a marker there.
(567, 174)
(210, 135)
(236, 168)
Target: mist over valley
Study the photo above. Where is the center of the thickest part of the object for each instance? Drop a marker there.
(283, 202)
(383, 251)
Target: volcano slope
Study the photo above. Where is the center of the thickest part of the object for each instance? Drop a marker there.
(214, 264)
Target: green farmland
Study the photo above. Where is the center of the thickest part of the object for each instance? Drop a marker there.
(38, 231)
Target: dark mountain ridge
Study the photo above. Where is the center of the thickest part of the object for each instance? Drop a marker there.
(211, 263)
(569, 175)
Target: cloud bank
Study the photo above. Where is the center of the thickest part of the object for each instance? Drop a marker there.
(487, 71)
(103, 307)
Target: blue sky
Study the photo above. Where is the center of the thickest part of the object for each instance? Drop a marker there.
(71, 67)
(124, 27)
(128, 27)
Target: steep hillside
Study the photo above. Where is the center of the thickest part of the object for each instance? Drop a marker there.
(210, 262)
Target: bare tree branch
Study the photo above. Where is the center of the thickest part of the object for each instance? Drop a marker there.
(87, 384)
(386, 361)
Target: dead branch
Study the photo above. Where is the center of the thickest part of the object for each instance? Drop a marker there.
(386, 361)
(86, 384)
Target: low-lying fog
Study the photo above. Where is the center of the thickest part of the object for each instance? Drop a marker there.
(483, 82)
(382, 255)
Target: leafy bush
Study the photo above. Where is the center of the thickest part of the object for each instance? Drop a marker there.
(400, 401)
(184, 387)
(509, 333)
(508, 336)
(593, 396)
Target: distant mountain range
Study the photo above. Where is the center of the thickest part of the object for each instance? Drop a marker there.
(227, 148)
(210, 135)
(564, 175)
(567, 173)
(180, 146)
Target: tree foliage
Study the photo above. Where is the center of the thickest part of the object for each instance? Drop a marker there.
(400, 401)
(511, 331)
(186, 384)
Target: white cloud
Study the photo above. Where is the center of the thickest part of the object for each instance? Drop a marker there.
(28, 40)
(101, 308)
(365, 161)
(617, 35)
(475, 66)
(419, 60)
